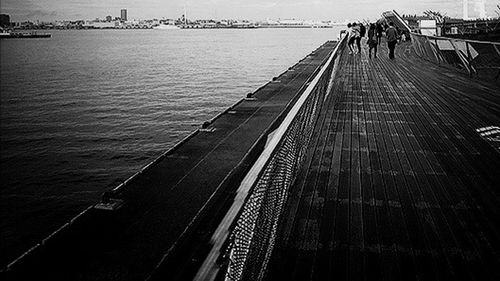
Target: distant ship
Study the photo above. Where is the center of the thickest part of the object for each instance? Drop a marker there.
(6, 34)
(164, 26)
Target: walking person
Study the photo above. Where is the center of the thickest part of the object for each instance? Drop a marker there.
(357, 35)
(350, 38)
(372, 40)
(362, 29)
(403, 37)
(379, 32)
(392, 38)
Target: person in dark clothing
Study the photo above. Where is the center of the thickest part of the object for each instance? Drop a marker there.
(372, 40)
(379, 32)
(357, 35)
(392, 39)
(350, 38)
(362, 30)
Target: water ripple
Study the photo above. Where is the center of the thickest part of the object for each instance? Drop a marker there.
(85, 109)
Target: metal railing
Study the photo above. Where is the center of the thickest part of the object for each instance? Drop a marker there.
(477, 58)
(253, 237)
(394, 17)
(466, 55)
(246, 236)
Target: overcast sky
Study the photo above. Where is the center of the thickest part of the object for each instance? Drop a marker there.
(337, 10)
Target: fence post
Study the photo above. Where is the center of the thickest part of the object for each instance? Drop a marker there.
(437, 51)
(461, 57)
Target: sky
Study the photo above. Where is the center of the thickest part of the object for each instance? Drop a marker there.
(337, 10)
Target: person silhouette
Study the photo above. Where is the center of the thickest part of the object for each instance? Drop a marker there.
(392, 38)
(372, 40)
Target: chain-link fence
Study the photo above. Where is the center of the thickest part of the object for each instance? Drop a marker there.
(252, 240)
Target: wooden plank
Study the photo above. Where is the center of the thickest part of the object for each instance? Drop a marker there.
(413, 183)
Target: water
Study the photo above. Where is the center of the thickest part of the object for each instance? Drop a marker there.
(84, 110)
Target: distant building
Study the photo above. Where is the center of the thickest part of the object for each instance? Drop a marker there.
(4, 20)
(123, 14)
(109, 18)
(166, 21)
(428, 27)
(421, 24)
(291, 22)
(490, 28)
(100, 25)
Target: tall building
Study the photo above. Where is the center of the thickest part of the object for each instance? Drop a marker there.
(479, 10)
(4, 20)
(124, 14)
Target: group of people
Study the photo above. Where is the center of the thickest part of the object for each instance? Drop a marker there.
(357, 31)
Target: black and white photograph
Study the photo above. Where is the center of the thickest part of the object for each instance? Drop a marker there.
(234, 140)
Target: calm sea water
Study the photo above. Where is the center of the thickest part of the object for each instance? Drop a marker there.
(84, 110)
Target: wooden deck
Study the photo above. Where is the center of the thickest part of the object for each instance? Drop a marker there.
(398, 184)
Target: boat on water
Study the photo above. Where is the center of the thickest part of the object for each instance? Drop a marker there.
(33, 34)
(164, 26)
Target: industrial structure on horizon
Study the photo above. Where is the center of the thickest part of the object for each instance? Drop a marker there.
(478, 6)
(123, 14)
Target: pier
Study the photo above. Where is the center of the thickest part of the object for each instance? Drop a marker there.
(399, 184)
(341, 168)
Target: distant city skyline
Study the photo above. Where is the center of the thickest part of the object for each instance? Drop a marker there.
(337, 10)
